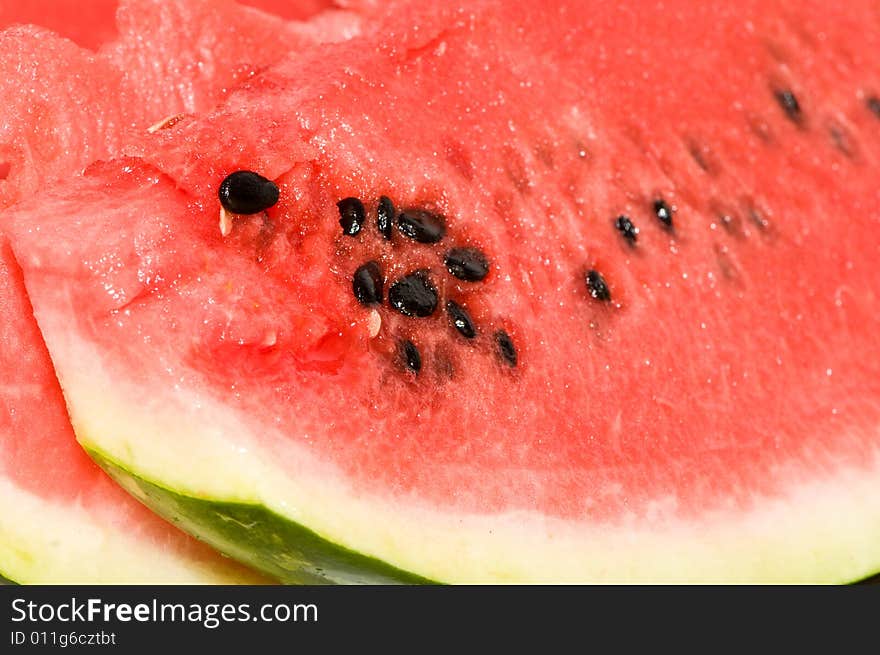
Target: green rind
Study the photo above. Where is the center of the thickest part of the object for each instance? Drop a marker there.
(270, 543)
(258, 537)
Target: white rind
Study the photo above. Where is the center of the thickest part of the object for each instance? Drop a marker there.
(822, 530)
(42, 542)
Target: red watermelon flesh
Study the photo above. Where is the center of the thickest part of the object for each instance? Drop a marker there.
(63, 519)
(198, 49)
(300, 10)
(714, 418)
(67, 106)
(59, 113)
(92, 24)
(88, 24)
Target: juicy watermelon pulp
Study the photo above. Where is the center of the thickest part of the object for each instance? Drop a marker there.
(68, 106)
(708, 413)
(88, 24)
(62, 518)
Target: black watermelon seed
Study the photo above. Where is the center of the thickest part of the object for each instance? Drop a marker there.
(663, 211)
(351, 215)
(367, 284)
(409, 355)
(597, 286)
(469, 264)
(758, 217)
(506, 349)
(789, 104)
(246, 192)
(413, 295)
(461, 320)
(873, 103)
(627, 228)
(385, 217)
(421, 225)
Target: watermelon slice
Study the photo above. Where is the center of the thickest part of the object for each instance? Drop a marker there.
(79, 106)
(63, 519)
(622, 328)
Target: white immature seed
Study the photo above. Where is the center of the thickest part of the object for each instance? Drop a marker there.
(225, 222)
(165, 123)
(374, 324)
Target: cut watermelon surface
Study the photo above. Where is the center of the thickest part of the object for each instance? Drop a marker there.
(63, 520)
(89, 24)
(667, 370)
(68, 106)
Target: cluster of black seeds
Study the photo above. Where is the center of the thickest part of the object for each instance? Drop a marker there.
(414, 294)
(597, 287)
(628, 230)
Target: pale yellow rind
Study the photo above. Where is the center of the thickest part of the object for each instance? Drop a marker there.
(821, 530)
(45, 543)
